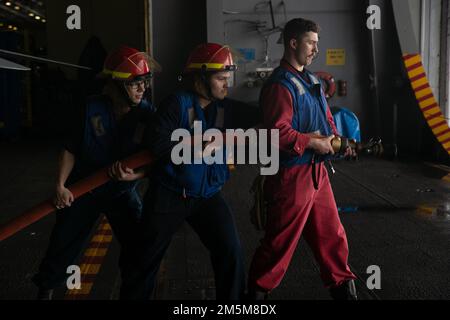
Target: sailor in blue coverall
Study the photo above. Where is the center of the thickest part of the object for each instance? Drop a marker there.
(113, 126)
(191, 192)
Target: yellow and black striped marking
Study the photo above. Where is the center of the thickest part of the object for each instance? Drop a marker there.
(427, 102)
(92, 261)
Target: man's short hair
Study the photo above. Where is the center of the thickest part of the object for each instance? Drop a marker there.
(295, 29)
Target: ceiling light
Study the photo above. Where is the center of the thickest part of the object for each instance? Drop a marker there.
(15, 28)
(17, 7)
(8, 3)
(31, 14)
(44, 21)
(37, 18)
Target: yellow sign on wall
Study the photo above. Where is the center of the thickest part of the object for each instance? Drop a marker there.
(335, 57)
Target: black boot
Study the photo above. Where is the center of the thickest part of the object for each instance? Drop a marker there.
(346, 291)
(45, 294)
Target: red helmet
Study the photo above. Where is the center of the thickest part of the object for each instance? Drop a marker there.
(210, 57)
(127, 63)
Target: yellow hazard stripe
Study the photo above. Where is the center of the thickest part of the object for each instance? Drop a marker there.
(85, 289)
(92, 269)
(104, 226)
(447, 144)
(426, 103)
(95, 252)
(419, 82)
(416, 72)
(412, 61)
(101, 238)
(434, 112)
(431, 209)
(434, 121)
(425, 98)
(440, 129)
(444, 137)
(423, 93)
(426, 209)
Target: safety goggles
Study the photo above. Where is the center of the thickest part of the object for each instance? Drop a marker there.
(136, 84)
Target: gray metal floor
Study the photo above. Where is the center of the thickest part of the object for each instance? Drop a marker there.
(410, 246)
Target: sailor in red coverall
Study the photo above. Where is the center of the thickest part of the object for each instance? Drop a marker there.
(293, 102)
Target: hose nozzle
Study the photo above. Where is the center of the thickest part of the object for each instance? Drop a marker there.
(374, 147)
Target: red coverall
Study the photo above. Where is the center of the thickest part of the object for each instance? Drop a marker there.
(295, 208)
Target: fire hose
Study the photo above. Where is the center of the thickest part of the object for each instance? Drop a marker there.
(78, 189)
(373, 148)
